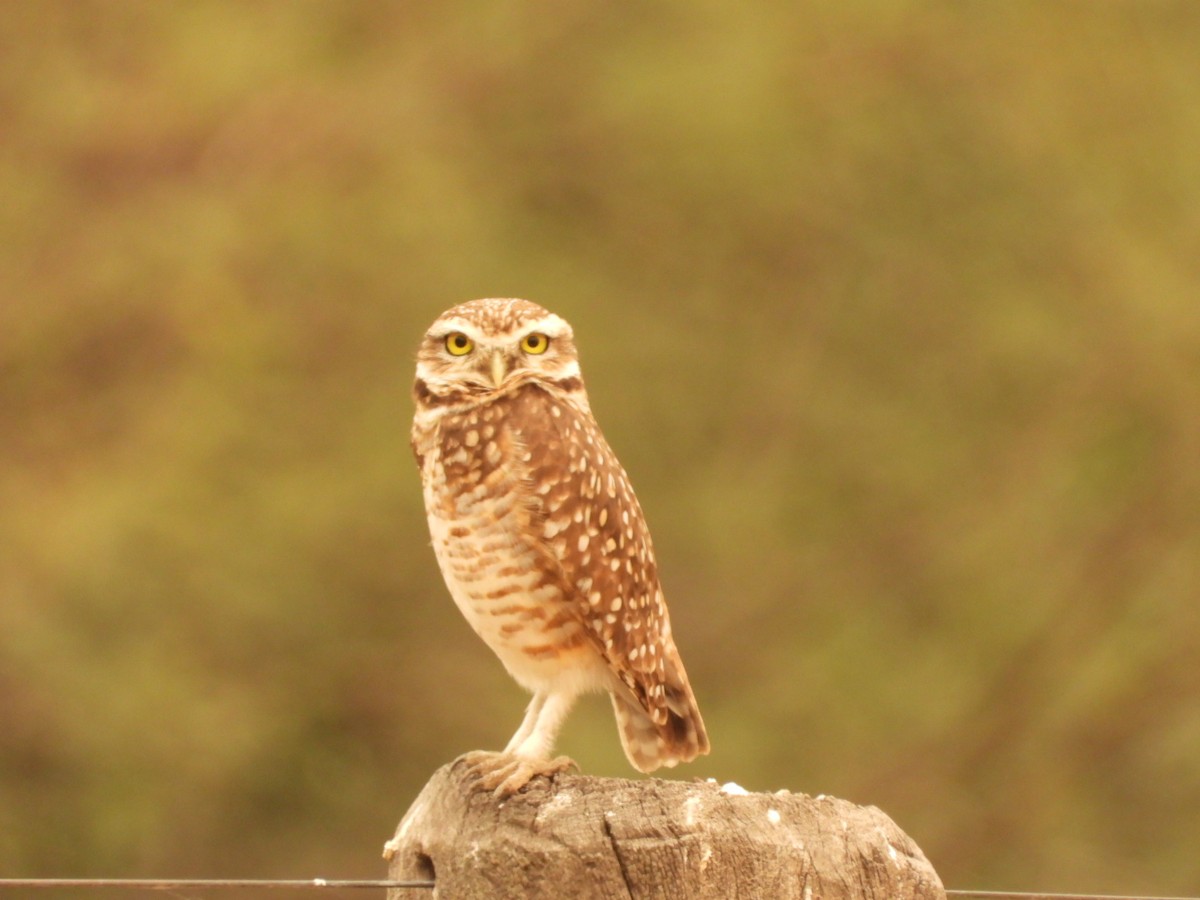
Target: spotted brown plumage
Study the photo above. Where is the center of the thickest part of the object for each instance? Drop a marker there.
(540, 538)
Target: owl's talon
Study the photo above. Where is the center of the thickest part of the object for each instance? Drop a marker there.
(504, 774)
(478, 759)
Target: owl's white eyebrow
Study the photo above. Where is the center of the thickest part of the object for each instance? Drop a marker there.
(553, 326)
(450, 326)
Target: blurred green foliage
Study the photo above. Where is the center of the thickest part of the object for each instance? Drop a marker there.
(890, 309)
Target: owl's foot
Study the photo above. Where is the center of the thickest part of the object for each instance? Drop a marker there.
(505, 773)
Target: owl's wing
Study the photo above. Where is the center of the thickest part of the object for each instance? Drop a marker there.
(592, 527)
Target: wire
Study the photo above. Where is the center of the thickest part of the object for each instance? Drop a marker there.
(1010, 895)
(177, 884)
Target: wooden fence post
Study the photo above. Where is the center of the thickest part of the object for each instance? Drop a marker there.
(579, 837)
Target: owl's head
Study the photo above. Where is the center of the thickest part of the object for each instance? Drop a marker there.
(483, 347)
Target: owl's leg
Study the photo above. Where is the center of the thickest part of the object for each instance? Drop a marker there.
(526, 755)
(537, 739)
(527, 724)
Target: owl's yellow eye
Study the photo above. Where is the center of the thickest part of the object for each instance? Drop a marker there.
(458, 344)
(535, 343)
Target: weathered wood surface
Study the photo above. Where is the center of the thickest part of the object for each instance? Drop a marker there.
(580, 837)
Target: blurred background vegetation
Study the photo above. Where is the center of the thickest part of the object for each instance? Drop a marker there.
(890, 310)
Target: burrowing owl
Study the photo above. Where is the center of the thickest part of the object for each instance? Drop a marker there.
(541, 540)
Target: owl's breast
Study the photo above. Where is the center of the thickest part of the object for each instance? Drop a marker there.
(485, 521)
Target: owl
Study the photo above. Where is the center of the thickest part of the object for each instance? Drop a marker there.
(540, 539)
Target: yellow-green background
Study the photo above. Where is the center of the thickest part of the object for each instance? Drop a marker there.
(892, 311)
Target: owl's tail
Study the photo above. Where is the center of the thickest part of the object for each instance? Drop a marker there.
(681, 737)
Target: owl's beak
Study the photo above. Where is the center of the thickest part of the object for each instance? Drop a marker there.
(499, 368)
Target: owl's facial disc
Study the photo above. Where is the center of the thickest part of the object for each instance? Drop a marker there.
(488, 347)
